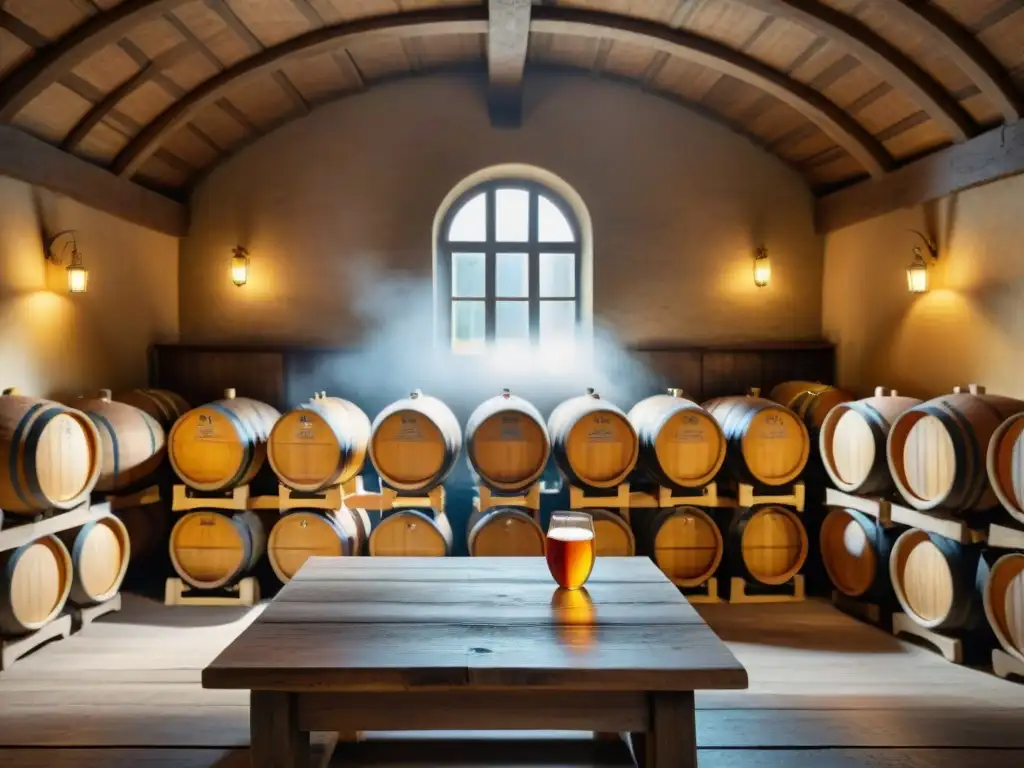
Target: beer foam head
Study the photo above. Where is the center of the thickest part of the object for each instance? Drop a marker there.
(571, 534)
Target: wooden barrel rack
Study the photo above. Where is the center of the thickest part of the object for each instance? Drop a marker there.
(63, 618)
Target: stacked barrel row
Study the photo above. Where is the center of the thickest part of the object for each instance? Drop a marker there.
(54, 458)
(960, 454)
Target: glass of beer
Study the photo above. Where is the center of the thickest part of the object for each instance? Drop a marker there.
(570, 548)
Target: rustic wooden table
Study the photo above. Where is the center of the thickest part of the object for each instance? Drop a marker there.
(365, 644)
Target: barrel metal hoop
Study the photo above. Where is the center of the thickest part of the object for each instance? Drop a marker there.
(99, 420)
(969, 496)
(31, 441)
(19, 431)
(242, 428)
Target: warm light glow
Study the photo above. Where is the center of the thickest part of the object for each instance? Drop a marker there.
(240, 267)
(917, 276)
(78, 279)
(762, 268)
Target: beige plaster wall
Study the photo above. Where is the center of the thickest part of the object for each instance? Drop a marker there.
(337, 211)
(968, 328)
(56, 344)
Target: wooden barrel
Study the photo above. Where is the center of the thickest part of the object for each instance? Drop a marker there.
(210, 549)
(100, 552)
(810, 400)
(303, 534)
(684, 542)
(415, 442)
(49, 455)
(767, 544)
(223, 444)
(507, 443)
(592, 441)
(937, 451)
(680, 444)
(319, 444)
(35, 580)
(936, 581)
(853, 439)
(504, 532)
(1004, 602)
(767, 442)
(412, 533)
(162, 404)
(1005, 465)
(612, 535)
(855, 552)
(133, 444)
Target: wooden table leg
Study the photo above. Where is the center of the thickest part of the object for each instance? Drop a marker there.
(671, 741)
(274, 732)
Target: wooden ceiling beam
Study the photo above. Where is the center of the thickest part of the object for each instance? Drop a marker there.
(837, 124)
(508, 37)
(964, 50)
(58, 59)
(842, 128)
(469, 20)
(35, 162)
(109, 102)
(878, 55)
(992, 156)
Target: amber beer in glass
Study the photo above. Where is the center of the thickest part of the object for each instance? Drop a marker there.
(570, 548)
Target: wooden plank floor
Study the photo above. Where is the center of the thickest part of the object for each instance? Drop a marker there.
(825, 692)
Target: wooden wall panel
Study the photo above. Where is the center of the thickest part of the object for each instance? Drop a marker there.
(201, 375)
(287, 376)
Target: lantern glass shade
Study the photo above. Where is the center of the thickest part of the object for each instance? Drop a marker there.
(239, 269)
(78, 279)
(917, 277)
(762, 269)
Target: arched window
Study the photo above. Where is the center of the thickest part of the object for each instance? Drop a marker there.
(508, 266)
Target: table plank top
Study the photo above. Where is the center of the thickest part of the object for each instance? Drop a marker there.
(346, 624)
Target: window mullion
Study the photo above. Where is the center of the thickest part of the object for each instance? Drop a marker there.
(533, 268)
(490, 268)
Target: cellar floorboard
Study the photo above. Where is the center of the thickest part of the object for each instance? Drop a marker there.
(825, 691)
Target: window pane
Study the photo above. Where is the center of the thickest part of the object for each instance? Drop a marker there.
(512, 215)
(512, 321)
(512, 278)
(557, 320)
(470, 223)
(557, 274)
(468, 326)
(468, 274)
(552, 226)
